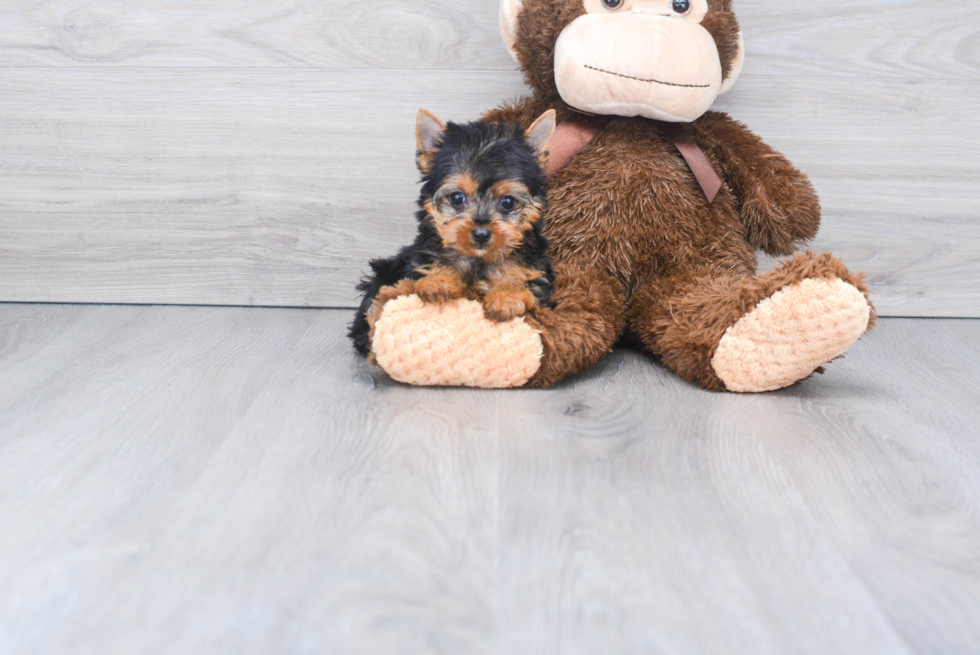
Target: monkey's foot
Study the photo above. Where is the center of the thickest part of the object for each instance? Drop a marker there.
(454, 344)
(790, 334)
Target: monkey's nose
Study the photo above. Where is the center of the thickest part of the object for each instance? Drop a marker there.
(481, 235)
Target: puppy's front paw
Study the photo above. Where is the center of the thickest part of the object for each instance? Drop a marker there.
(439, 288)
(503, 306)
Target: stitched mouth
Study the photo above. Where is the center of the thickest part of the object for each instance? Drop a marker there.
(640, 79)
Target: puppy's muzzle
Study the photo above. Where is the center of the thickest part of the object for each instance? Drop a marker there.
(481, 236)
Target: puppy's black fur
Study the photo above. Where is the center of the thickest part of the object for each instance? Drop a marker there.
(489, 153)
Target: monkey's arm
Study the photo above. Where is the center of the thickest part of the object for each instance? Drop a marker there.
(777, 203)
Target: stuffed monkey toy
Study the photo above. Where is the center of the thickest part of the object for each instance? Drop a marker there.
(657, 207)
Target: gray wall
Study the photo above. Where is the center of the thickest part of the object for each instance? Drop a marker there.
(260, 152)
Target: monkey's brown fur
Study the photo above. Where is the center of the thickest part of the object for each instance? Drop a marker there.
(637, 247)
(636, 244)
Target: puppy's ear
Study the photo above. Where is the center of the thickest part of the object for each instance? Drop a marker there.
(428, 132)
(540, 133)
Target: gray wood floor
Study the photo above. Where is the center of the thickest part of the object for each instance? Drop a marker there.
(223, 480)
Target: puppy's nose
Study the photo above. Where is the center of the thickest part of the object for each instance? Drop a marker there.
(482, 235)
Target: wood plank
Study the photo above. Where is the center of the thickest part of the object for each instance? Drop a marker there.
(247, 460)
(846, 500)
(438, 35)
(879, 39)
(225, 187)
(866, 38)
(271, 187)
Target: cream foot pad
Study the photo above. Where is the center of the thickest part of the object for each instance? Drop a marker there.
(791, 334)
(454, 345)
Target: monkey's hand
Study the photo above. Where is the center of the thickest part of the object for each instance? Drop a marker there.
(777, 203)
(453, 344)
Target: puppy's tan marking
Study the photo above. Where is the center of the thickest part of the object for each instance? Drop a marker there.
(510, 188)
(508, 296)
(467, 185)
(502, 306)
(441, 285)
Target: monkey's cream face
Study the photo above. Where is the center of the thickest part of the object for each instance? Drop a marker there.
(648, 58)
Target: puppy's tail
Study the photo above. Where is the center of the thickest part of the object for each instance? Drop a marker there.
(384, 272)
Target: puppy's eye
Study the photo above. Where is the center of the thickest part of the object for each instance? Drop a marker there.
(682, 7)
(612, 4)
(457, 199)
(508, 203)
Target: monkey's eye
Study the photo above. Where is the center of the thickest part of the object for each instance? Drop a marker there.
(508, 203)
(457, 199)
(682, 7)
(612, 4)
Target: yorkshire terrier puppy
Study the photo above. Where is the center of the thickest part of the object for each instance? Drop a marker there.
(479, 223)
